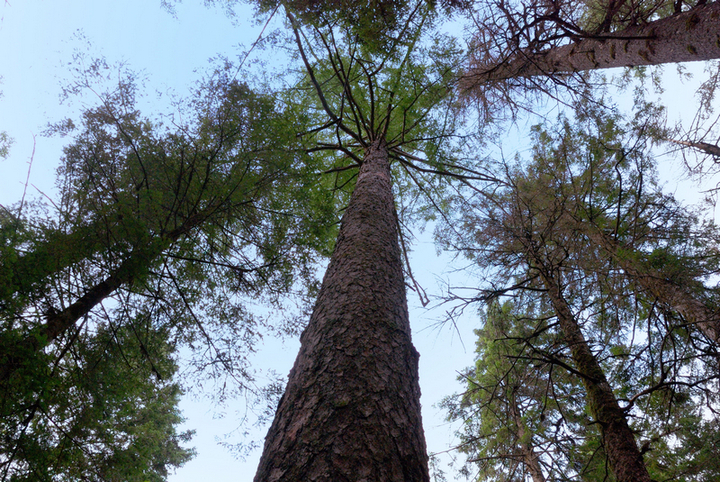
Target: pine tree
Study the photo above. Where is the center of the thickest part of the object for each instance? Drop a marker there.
(351, 410)
(157, 237)
(539, 229)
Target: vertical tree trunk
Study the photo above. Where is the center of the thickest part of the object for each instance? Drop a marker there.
(351, 409)
(530, 458)
(623, 454)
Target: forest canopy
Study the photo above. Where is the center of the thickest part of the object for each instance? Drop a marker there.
(280, 197)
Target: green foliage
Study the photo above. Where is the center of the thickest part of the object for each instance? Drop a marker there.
(518, 405)
(598, 17)
(518, 399)
(106, 411)
(588, 205)
(190, 224)
(351, 95)
(5, 143)
(189, 221)
(130, 185)
(376, 25)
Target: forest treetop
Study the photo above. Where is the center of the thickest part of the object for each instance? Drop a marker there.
(165, 235)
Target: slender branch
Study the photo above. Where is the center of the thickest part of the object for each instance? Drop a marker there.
(318, 89)
(340, 169)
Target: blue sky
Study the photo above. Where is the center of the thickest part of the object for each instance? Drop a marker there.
(38, 40)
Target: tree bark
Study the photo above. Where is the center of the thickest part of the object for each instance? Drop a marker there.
(685, 37)
(711, 149)
(624, 457)
(351, 409)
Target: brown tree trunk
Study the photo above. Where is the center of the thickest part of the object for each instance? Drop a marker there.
(530, 458)
(711, 149)
(679, 297)
(58, 322)
(351, 409)
(685, 37)
(624, 457)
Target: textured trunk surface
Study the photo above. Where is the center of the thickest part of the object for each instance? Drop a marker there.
(686, 37)
(711, 149)
(351, 409)
(532, 462)
(623, 455)
(678, 297)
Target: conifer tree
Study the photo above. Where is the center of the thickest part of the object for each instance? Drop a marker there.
(158, 236)
(351, 410)
(540, 230)
(518, 40)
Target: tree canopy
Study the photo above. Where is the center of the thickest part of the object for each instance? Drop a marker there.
(585, 240)
(159, 233)
(172, 238)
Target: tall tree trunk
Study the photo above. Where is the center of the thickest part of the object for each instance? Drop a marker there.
(530, 458)
(57, 322)
(680, 297)
(351, 409)
(623, 454)
(685, 37)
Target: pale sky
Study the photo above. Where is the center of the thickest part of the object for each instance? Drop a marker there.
(37, 41)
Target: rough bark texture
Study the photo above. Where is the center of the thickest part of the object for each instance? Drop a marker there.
(679, 297)
(685, 37)
(623, 454)
(351, 409)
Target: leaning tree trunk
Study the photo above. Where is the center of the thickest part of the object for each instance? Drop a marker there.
(351, 409)
(624, 457)
(710, 149)
(685, 37)
(58, 322)
(683, 298)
